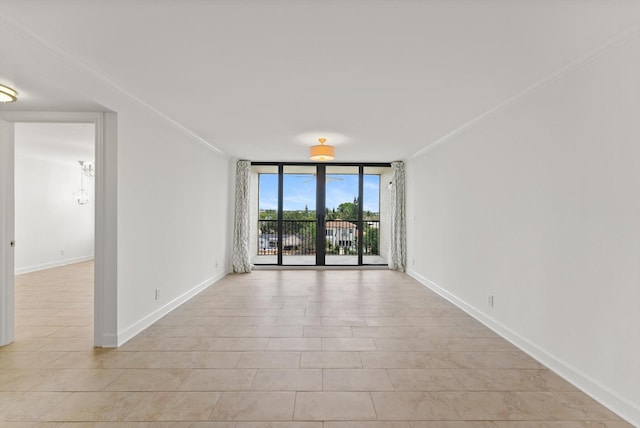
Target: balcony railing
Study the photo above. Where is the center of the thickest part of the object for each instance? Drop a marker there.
(299, 237)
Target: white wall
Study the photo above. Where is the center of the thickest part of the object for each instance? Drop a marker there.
(51, 229)
(539, 205)
(172, 219)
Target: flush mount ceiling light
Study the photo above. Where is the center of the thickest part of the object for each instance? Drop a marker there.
(7, 95)
(322, 152)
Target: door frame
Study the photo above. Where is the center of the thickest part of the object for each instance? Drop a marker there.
(320, 207)
(105, 252)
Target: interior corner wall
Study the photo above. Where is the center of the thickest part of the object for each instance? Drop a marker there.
(173, 221)
(51, 229)
(539, 205)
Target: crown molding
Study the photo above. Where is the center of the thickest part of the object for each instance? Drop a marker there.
(23, 31)
(612, 43)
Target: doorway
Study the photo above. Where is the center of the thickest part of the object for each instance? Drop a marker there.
(320, 214)
(54, 170)
(105, 245)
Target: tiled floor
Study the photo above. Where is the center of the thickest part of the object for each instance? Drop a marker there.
(279, 349)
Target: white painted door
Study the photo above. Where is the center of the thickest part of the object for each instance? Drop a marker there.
(7, 236)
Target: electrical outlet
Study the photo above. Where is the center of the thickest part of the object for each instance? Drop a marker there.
(157, 293)
(62, 252)
(216, 264)
(490, 300)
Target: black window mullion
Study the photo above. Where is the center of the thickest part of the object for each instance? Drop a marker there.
(321, 240)
(360, 213)
(280, 210)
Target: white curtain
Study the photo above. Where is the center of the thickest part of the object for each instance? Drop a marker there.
(242, 224)
(398, 250)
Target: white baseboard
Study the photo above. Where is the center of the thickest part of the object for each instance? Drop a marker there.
(133, 330)
(617, 404)
(57, 263)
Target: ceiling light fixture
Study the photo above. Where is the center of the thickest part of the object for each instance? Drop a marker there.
(7, 95)
(322, 152)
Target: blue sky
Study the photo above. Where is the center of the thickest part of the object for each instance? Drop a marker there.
(300, 190)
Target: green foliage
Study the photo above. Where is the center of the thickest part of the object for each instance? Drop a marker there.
(371, 240)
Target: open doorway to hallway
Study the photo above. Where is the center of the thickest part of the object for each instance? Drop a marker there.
(54, 230)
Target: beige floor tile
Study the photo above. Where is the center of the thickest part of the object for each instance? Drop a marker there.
(254, 406)
(424, 380)
(76, 380)
(239, 344)
(28, 360)
(498, 360)
(28, 406)
(174, 406)
(457, 424)
(69, 344)
(348, 344)
(565, 406)
(367, 424)
(342, 321)
(397, 406)
(77, 332)
(511, 380)
(235, 331)
(253, 320)
(219, 380)
(87, 359)
(274, 331)
(409, 360)
(172, 360)
(356, 380)
(300, 321)
(149, 380)
(294, 344)
(287, 380)
(279, 425)
(269, 360)
(180, 331)
(150, 343)
(494, 406)
(330, 360)
(327, 406)
(19, 380)
(456, 344)
(190, 425)
(397, 331)
(326, 312)
(328, 332)
(95, 406)
(278, 331)
(93, 425)
(559, 424)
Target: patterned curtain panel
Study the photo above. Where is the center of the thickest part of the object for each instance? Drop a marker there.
(398, 251)
(241, 229)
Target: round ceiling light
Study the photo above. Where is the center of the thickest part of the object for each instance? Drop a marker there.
(322, 152)
(7, 94)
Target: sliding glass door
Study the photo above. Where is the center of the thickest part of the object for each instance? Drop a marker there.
(319, 214)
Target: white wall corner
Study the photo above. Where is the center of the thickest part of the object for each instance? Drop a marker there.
(130, 332)
(65, 262)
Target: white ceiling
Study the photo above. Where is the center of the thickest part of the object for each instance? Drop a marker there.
(261, 80)
(61, 142)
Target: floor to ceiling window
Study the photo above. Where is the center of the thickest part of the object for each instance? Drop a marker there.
(319, 214)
